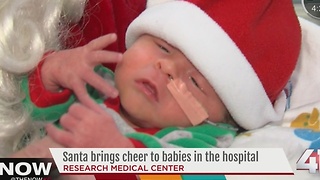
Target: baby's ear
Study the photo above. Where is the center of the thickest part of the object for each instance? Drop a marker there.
(151, 3)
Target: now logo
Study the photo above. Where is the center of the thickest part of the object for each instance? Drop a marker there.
(25, 168)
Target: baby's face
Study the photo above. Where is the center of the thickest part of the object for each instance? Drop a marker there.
(142, 77)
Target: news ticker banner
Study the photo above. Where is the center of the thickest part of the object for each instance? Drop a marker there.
(239, 161)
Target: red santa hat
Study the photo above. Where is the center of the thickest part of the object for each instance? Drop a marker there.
(246, 49)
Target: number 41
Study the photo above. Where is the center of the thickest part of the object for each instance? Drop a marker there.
(309, 160)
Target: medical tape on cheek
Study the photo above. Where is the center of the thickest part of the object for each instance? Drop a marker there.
(188, 103)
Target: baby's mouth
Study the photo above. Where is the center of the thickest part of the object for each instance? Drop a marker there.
(149, 89)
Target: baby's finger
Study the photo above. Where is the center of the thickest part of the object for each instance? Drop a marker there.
(80, 90)
(85, 99)
(100, 57)
(102, 42)
(101, 84)
(59, 135)
(68, 122)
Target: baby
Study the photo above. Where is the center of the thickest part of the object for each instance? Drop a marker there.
(184, 78)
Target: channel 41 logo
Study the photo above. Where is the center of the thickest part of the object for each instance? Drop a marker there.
(26, 169)
(309, 160)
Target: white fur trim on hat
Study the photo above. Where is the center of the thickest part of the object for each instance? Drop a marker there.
(215, 55)
(156, 2)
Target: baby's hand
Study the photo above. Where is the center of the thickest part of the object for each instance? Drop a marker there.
(84, 127)
(74, 68)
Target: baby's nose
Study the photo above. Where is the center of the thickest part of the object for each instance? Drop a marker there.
(167, 67)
